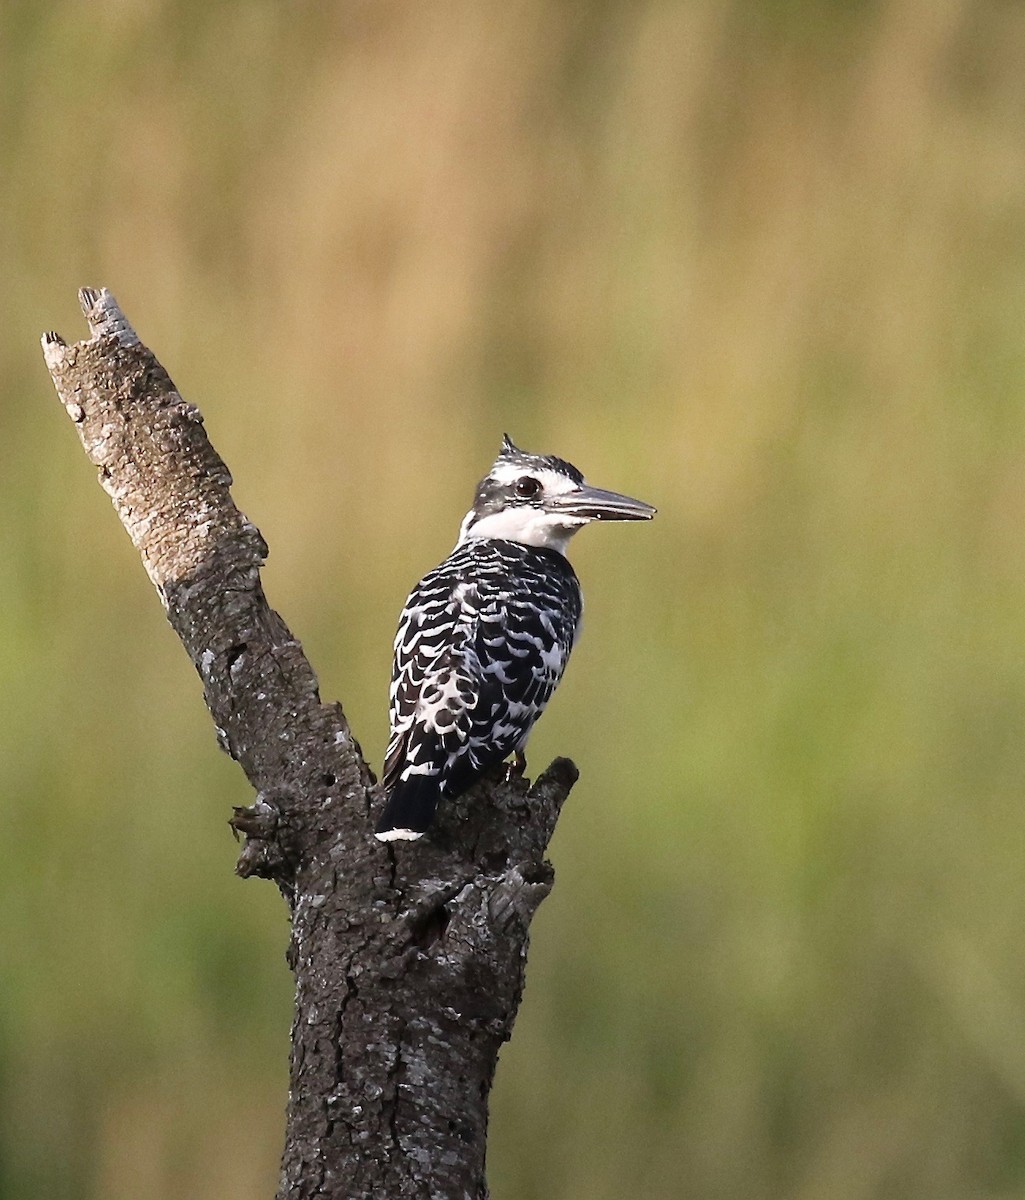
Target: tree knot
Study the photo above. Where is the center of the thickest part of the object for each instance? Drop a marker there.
(270, 850)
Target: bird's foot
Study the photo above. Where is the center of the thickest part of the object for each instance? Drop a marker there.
(515, 768)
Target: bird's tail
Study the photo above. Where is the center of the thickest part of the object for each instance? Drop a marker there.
(410, 809)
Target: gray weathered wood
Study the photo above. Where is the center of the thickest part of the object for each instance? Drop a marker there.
(408, 958)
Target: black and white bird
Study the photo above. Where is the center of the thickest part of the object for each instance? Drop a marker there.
(484, 637)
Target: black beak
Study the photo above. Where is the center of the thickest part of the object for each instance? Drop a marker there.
(595, 504)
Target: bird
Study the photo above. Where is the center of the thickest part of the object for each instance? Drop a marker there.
(484, 638)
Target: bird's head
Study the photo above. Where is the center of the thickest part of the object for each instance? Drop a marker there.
(541, 500)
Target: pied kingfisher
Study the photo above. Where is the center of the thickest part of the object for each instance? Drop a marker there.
(484, 637)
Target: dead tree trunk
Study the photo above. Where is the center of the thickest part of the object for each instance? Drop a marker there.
(408, 958)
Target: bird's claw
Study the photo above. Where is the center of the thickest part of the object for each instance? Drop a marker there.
(515, 768)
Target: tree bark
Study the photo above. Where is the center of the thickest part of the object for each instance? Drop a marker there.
(408, 957)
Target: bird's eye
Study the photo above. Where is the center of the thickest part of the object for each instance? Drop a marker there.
(527, 486)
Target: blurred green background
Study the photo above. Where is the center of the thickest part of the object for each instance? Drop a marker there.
(760, 263)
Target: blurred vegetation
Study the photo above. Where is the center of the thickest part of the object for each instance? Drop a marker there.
(761, 263)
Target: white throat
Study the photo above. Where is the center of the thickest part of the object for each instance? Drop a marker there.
(529, 526)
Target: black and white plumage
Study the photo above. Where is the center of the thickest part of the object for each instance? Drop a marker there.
(484, 638)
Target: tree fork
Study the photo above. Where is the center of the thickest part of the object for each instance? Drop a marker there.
(408, 959)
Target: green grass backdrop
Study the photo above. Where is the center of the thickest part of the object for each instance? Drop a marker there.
(760, 262)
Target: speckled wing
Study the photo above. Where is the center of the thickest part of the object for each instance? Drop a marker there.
(435, 678)
(481, 645)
